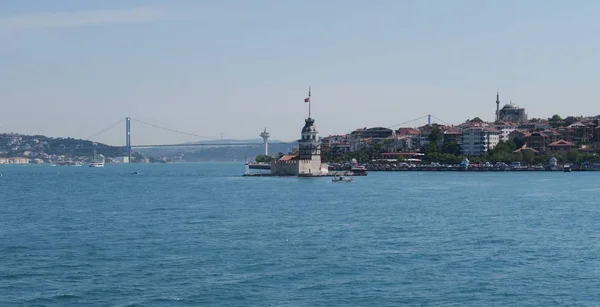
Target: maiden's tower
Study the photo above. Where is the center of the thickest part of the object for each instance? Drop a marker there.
(307, 161)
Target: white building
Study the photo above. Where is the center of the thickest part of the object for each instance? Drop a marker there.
(122, 159)
(339, 142)
(506, 128)
(308, 161)
(14, 160)
(478, 140)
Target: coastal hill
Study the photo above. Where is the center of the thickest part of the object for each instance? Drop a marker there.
(44, 147)
(53, 148)
(216, 152)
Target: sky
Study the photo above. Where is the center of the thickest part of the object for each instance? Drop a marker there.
(230, 68)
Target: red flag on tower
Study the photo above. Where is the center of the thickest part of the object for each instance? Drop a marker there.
(308, 98)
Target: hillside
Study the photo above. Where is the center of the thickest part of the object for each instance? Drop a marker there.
(216, 153)
(43, 147)
(51, 148)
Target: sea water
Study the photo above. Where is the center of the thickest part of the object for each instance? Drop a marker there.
(202, 235)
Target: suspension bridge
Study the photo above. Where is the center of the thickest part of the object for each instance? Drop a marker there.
(209, 141)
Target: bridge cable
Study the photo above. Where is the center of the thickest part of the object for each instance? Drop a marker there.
(173, 130)
(105, 129)
(404, 123)
(441, 120)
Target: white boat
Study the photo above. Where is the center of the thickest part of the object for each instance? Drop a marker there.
(341, 179)
(98, 160)
(97, 164)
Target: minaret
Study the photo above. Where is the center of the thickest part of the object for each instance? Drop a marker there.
(265, 136)
(497, 106)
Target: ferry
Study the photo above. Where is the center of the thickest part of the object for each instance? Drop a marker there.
(98, 160)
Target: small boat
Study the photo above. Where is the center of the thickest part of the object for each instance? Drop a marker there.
(341, 179)
(97, 164)
(567, 168)
(98, 160)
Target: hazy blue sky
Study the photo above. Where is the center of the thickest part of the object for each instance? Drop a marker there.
(71, 68)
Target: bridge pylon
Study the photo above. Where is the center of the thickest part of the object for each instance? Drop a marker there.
(128, 138)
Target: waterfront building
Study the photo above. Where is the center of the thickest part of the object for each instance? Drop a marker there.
(536, 141)
(452, 135)
(14, 160)
(307, 162)
(122, 159)
(478, 140)
(562, 146)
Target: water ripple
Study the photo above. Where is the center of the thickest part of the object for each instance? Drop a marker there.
(200, 235)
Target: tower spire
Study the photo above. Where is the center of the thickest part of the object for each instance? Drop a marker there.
(309, 100)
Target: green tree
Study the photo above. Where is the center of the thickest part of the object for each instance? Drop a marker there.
(528, 156)
(519, 141)
(263, 159)
(435, 135)
(430, 147)
(451, 148)
(573, 156)
(376, 151)
(555, 120)
(504, 147)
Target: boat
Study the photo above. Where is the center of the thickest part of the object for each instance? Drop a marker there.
(341, 179)
(98, 160)
(566, 168)
(97, 164)
(357, 169)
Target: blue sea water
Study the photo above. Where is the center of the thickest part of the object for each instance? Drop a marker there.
(202, 235)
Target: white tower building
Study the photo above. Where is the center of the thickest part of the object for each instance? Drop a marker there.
(265, 136)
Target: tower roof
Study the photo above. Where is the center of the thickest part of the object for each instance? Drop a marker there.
(309, 125)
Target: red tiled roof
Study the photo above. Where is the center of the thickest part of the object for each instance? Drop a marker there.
(525, 149)
(577, 124)
(287, 158)
(452, 130)
(407, 131)
(561, 143)
(401, 153)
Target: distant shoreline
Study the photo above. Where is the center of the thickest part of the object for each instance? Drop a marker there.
(475, 170)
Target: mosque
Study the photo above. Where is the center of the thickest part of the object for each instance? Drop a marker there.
(510, 112)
